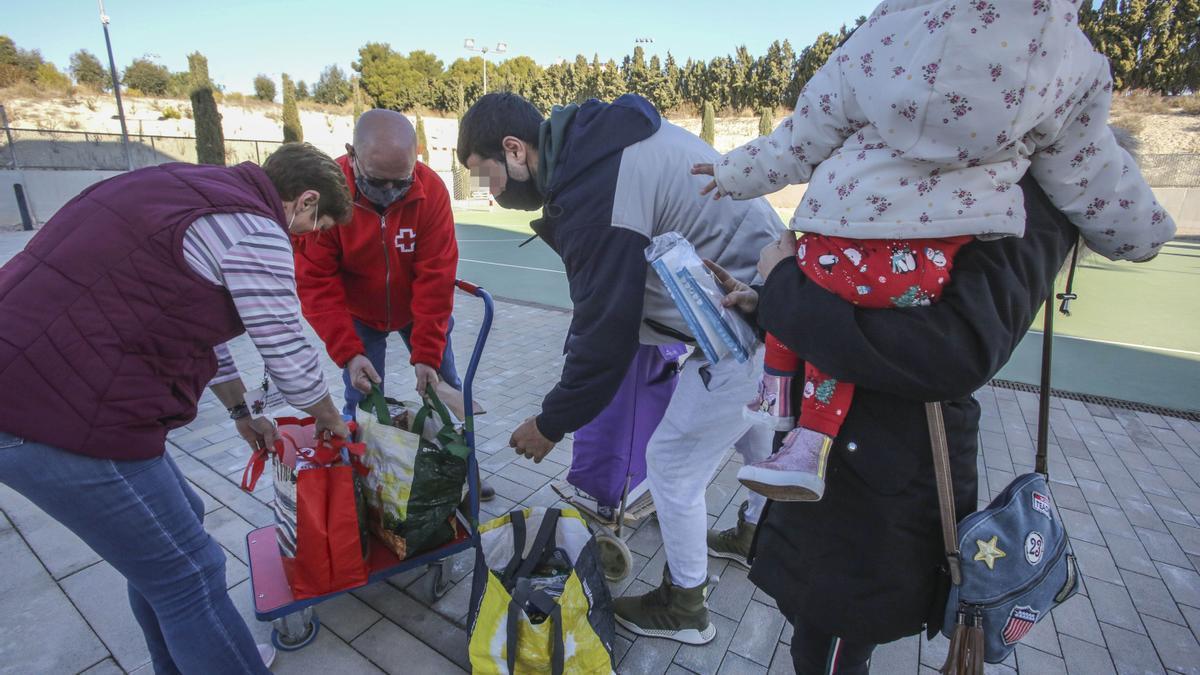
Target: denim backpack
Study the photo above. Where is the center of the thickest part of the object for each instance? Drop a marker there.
(1011, 563)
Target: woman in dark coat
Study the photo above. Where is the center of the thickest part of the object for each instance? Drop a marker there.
(865, 565)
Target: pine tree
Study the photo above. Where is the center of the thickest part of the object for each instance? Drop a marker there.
(743, 81)
(292, 131)
(766, 122)
(1174, 29)
(422, 143)
(811, 59)
(707, 131)
(210, 139)
(610, 82)
(89, 72)
(673, 75)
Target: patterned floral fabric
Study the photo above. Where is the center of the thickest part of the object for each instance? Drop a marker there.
(921, 124)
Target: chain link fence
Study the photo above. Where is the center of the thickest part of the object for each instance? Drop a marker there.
(53, 149)
(85, 150)
(1175, 170)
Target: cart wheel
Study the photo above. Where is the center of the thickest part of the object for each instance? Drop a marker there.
(615, 559)
(441, 583)
(295, 631)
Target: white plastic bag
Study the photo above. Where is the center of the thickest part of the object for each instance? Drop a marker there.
(718, 331)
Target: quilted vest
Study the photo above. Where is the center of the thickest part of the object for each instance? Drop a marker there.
(106, 332)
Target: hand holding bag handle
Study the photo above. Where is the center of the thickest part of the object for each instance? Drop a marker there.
(376, 404)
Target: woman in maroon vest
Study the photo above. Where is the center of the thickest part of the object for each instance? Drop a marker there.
(114, 319)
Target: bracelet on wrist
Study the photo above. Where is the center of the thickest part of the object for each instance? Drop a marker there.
(238, 412)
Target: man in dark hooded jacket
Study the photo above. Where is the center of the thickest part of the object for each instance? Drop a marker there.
(609, 177)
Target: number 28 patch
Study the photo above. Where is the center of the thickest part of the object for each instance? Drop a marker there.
(1035, 547)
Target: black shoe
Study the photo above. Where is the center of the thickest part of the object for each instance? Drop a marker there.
(486, 492)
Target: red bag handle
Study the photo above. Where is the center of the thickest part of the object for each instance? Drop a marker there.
(326, 452)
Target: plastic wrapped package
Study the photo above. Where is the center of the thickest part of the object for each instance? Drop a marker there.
(719, 332)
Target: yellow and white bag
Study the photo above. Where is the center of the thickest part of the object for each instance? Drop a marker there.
(539, 604)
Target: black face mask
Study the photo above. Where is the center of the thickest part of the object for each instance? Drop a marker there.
(519, 194)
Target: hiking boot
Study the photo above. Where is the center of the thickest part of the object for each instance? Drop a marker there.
(796, 473)
(772, 405)
(669, 612)
(734, 543)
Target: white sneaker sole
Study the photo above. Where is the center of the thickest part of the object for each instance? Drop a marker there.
(728, 556)
(782, 486)
(688, 636)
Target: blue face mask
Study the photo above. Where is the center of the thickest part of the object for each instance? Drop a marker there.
(382, 193)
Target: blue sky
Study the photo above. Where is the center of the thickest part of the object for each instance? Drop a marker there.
(300, 37)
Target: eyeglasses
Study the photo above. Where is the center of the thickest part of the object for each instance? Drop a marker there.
(381, 183)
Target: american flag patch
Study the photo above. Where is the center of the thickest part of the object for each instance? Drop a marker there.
(1020, 621)
(1042, 503)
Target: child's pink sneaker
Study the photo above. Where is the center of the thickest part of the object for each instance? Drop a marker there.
(796, 473)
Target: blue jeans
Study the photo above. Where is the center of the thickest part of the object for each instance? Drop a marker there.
(144, 519)
(375, 343)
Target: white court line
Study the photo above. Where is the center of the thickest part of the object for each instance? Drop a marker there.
(519, 267)
(1123, 344)
(1060, 335)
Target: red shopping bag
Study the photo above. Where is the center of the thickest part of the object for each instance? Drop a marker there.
(317, 510)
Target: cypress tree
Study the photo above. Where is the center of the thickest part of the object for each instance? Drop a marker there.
(766, 122)
(210, 139)
(422, 144)
(707, 131)
(292, 131)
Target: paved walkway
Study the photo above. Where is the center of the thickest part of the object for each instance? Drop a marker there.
(1126, 484)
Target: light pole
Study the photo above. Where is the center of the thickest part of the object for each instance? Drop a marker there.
(112, 68)
(469, 45)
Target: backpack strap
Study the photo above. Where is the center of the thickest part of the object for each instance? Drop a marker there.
(945, 490)
(1040, 464)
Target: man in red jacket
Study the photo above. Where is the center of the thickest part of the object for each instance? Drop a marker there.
(391, 269)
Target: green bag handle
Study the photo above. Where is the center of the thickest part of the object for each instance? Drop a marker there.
(432, 404)
(376, 404)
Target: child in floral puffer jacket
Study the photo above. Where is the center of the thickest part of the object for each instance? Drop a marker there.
(912, 138)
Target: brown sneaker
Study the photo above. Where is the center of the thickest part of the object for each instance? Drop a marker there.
(733, 543)
(669, 612)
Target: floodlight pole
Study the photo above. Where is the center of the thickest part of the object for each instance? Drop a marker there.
(469, 45)
(112, 69)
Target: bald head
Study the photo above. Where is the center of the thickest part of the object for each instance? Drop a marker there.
(385, 144)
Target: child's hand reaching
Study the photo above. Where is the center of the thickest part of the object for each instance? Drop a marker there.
(707, 170)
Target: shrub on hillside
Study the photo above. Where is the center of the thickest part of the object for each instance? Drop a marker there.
(264, 88)
(147, 77)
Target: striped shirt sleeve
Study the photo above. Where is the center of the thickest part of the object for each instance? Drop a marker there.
(251, 257)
